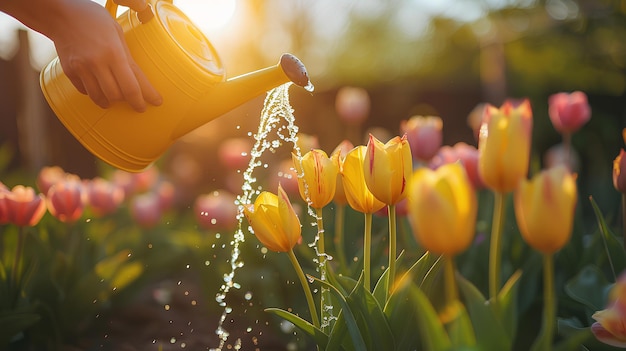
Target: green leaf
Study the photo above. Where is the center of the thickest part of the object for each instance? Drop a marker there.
(319, 336)
(459, 327)
(507, 304)
(408, 307)
(490, 332)
(615, 252)
(589, 287)
(353, 328)
(370, 318)
(572, 334)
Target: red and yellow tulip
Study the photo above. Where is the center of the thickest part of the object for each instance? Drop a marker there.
(387, 168)
(317, 177)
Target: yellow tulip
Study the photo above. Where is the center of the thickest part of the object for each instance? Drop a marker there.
(504, 145)
(317, 177)
(387, 168)
(544, 208)
(274, 221)
(442, 208)
(358, 195)
(338, 155)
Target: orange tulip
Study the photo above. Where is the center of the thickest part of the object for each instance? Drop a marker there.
(610, 325)
(274, 221)
(504, 145)
(544, 208)
(387, 168)
(317, 177)
(442, 208)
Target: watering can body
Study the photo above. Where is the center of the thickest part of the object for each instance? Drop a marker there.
(183, 66)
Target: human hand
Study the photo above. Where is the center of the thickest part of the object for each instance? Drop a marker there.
(96, 59)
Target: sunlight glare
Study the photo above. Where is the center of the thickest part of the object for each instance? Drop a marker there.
(208, 15)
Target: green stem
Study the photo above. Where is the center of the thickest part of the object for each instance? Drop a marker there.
(567, 149)
(624, 219)
(495, 248)
(367, 249)
(339, 236)
(392, 248)
(305, 287)
(450, 287)
(15, 269)
(548, 305)
(325, 300)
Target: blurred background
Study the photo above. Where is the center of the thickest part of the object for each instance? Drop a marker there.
(413, 57)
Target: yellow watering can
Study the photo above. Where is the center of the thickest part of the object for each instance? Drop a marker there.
(183, 66)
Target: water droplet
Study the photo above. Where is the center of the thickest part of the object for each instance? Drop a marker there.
(248, 296)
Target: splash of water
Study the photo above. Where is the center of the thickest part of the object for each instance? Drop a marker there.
(275, 108)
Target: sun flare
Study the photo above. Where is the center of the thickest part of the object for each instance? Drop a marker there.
(208, 15)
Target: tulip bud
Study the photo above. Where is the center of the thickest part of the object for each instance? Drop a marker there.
(569, 112)
(66, 201)
(352, 105)
(274, 221)
(387, 168)
(544, 208)
(103, 197)
(317, 177)
(442, 208)
(216, 210)
(357, 194)
(619, 172)
(339, 155)
(424, 135)
(504, 145)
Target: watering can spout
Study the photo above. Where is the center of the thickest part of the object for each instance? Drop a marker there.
(235, 91)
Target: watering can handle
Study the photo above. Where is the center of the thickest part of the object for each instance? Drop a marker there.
(144, 15)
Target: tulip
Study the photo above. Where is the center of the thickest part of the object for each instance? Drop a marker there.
(424, 136)
(22, 206)
(338, 155)
(65, 200)
(619, 172)
(544, 208)
(166, 193)
(216, 210)
(145, 209)
(234, 153)
(442, 208)
(610, 325)
(48, 176)
(387, 168)
(317, 177)
(276, 225)
(352, 105)
(504, 145)
(464, 153)
(359, 197)
(274, 221)
(503, 156)
(569, 112)
(103, 197)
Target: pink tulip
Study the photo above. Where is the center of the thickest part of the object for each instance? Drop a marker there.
(285, 174)
(48, 176)
(216, 210)
(21, 206)
(424, 135)
(569, 112)
(352, 105)
(146, 209)
(464, 153)
(65, 200)
(234, 153)
(166, 193)
(103, 197)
